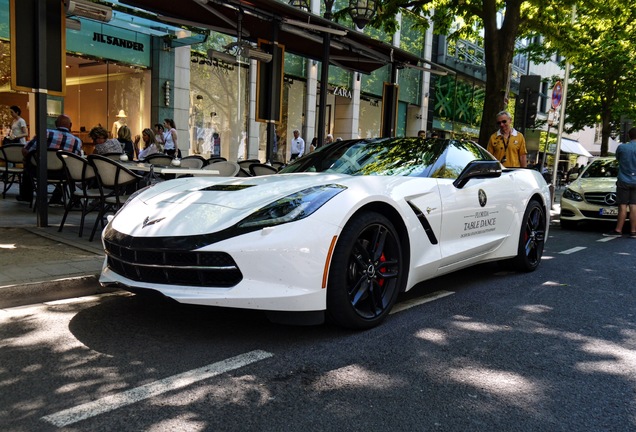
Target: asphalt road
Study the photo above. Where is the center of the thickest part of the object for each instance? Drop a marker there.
(553, 350)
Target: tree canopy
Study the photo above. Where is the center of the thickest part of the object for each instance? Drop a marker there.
(497, 24)
(599, 45)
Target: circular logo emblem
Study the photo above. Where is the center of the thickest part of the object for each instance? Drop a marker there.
(610, 198)
(482, 197)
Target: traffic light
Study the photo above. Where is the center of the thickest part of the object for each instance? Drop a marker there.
(527, 102)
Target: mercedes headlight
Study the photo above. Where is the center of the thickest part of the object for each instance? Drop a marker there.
(571, 195)
(293, 207)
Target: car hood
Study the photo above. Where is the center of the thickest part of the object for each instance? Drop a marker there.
(199, 205)
(599, 184)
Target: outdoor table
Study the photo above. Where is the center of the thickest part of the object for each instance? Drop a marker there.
(154, 170)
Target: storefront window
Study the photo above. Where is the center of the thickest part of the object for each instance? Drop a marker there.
(102, 93)
(370, 118)
(218, 100)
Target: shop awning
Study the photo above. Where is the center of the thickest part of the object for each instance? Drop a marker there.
(571, 146)
(299, 31)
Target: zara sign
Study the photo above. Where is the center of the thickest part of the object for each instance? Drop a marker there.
(342, 91)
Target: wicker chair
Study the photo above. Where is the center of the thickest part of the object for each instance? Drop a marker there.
(225, 168)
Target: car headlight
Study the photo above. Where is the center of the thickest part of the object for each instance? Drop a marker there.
(293, 207)
(571, 195)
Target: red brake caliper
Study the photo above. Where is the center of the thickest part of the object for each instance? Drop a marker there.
(381, 270)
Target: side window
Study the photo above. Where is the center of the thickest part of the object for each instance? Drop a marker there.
(456, 157)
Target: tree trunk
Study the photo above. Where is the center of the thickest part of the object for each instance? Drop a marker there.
(606, 130)
(499, 48)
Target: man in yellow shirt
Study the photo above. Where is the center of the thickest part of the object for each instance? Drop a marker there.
(507, 144)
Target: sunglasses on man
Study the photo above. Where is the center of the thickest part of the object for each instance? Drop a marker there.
(502, 121)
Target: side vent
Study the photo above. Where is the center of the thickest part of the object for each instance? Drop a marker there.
(427, 226)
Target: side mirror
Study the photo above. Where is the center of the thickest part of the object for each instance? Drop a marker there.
(478, 169)
(573, 176)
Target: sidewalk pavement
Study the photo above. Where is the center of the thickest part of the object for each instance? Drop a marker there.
(39, 264)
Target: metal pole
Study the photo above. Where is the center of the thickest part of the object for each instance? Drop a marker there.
(324, 88)
(324, 78)
(557, 153)
(545, 149)
(274, 74)
(551, 115)
(40, 123)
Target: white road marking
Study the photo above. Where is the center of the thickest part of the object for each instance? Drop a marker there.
(418, 301)
(606, 239)
(110, 403)
(573, 250)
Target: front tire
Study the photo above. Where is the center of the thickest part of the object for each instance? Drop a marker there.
(366, 272)
(531, 238)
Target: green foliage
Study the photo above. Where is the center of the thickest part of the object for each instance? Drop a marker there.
(598, 44)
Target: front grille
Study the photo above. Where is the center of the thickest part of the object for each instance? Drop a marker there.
(204, 269)
(601, 198)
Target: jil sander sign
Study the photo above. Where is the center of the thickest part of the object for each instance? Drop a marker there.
(109, 42)
(342, 91)
(119, 42)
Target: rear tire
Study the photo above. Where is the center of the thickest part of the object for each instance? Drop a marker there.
(531, 239)
(366, 272)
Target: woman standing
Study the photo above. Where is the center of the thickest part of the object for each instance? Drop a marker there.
(19, 129)
(149, 145)
(170, 145)
(159, 133)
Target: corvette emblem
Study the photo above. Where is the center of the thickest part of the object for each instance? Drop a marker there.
(147, 221)
(482, 197)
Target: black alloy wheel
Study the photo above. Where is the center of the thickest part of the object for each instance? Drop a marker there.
(531, 238)
(366, 272)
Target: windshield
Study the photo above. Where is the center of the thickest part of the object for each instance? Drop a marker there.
(602, 168)
(392, 157)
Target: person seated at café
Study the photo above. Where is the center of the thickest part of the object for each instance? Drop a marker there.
(59, 138)
(125, 140)
(103, 145)
(149, 144)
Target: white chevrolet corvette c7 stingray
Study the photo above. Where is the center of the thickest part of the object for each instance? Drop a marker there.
(338, 233)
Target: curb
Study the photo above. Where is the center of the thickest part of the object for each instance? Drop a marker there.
(40, 292)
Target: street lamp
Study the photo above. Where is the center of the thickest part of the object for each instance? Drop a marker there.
(300, 4)
(361, 12)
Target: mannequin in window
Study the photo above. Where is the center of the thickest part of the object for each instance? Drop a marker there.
(121, 120)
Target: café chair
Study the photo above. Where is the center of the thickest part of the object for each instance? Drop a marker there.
(259, 169)
(245, 163)
(56, 175)
(193, 161)
(112, 155)
(13, 169)
(216, 159)
(278, 165)
(82, 183)
(243, 173)
(159, 159)
(225, 168)
(115, 183)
